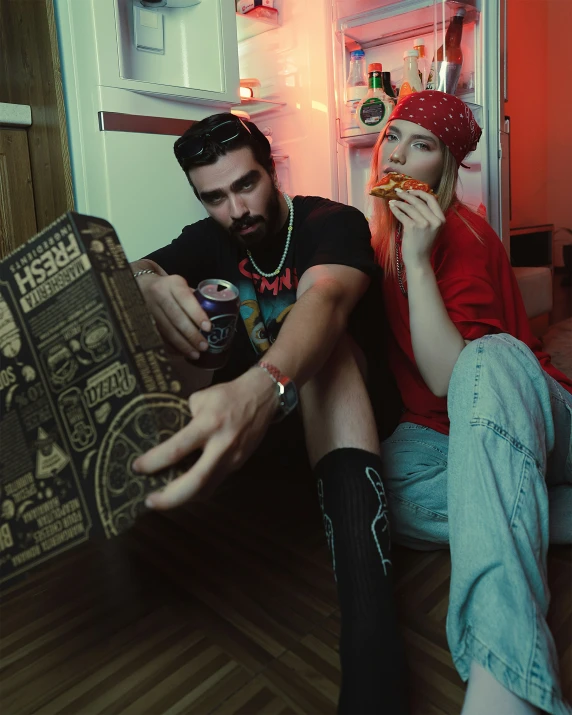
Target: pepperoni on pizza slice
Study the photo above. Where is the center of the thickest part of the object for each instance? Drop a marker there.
(385, 189)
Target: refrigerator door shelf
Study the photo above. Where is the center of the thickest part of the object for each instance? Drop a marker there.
(365, 140)
(254, 22)
(256, 106)
(409, 18)
(468, 98)
(358, 140)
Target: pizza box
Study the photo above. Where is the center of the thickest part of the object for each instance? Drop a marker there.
(86, 385)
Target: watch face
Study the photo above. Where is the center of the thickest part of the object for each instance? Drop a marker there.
(289, 397)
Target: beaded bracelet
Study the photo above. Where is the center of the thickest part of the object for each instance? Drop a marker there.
(146, 270)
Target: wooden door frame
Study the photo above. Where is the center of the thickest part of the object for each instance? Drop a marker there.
(30, 73)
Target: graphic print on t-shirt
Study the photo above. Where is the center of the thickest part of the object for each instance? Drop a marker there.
(265, 303)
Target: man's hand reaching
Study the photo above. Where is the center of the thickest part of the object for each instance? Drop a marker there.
(228, 423)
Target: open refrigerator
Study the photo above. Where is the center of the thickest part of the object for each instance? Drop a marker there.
(303, 65)
(137, 72)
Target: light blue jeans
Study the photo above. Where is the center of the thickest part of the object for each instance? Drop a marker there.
(496, 491)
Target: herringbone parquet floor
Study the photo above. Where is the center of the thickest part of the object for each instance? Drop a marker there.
(224, 607)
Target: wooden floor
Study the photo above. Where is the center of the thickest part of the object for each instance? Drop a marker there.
(222, 607)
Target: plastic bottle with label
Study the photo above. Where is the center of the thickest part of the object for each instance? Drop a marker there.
(374, 109)
(423, 62)
(356, 89)
(411, 81)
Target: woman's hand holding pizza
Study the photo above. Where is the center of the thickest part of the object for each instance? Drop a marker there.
(422, 219)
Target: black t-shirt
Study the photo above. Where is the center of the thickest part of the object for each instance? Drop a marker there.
(323, 232)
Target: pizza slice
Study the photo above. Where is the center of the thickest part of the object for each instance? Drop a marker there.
(385, 189)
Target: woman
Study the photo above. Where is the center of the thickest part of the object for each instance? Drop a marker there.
(482, 458)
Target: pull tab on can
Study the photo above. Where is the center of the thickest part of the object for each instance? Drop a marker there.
(220, 301)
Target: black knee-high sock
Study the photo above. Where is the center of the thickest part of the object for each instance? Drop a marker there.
(357, 528)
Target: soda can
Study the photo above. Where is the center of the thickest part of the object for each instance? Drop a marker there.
(219, 299)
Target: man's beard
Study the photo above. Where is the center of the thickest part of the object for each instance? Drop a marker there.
(265, 227)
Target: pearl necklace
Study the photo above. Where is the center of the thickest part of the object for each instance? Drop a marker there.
(398, 262)
(286, 247)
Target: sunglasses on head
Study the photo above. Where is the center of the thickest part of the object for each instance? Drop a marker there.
(222, 133)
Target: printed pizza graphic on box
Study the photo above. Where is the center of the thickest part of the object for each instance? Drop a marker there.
(140, 425)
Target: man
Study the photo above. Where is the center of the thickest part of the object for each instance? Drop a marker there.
(303, 269)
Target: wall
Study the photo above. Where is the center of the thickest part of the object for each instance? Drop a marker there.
(559, 185)
(539, 77)
(527, 36)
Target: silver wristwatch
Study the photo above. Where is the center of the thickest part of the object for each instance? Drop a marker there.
(285, 387)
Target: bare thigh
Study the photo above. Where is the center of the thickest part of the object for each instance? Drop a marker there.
(335, 405)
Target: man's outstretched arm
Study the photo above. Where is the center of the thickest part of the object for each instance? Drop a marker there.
(230, 419)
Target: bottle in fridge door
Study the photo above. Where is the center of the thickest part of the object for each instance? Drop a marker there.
(411, 80)
(423, 61)
(444, 76)
(355, 91)
(374, 109)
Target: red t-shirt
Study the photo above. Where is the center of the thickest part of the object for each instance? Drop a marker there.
(481, 296)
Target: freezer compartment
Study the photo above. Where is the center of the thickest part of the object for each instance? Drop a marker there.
(169, 46)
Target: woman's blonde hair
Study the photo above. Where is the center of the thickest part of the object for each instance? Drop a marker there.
(383, 223)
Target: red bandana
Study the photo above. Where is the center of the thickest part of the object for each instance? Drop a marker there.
(446, 116)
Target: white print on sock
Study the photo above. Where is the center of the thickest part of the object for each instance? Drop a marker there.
(382, 514)
(328, 526)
